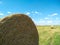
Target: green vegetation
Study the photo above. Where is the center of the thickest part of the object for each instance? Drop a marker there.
(48, 36)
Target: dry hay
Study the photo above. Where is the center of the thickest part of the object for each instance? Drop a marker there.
(18, 29)
(0, 21)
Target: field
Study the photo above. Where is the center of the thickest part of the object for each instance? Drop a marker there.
(48, 35)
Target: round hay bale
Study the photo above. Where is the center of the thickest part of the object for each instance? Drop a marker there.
(0, 21)
(18, 29)
(4, 19)
(52, 27)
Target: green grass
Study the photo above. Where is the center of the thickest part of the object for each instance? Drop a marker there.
(48, 36)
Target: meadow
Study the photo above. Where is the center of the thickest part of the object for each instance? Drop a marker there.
(49, 36)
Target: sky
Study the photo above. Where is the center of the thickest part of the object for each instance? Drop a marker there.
(42, 12)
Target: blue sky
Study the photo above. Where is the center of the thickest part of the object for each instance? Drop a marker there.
(42, 12)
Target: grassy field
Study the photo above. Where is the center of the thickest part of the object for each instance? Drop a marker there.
(48, 36)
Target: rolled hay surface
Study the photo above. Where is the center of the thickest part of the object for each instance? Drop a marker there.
(18, 29)
(0, 21)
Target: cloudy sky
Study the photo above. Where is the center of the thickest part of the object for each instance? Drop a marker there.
(42, 12)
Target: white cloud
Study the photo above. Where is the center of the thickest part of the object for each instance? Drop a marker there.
(49, 21)
(57, 18)
(41, 22)
(46, 18)
(36, 12)
(0, 2)
(1, 14)
(54, 14)
(45, 22)
(28, 13)
(56, 22)
(33, 13)
(8, 12)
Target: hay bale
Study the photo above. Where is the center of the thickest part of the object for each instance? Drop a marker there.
(18, 29)
(4, 19)
(52, 27)
(0, 21)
